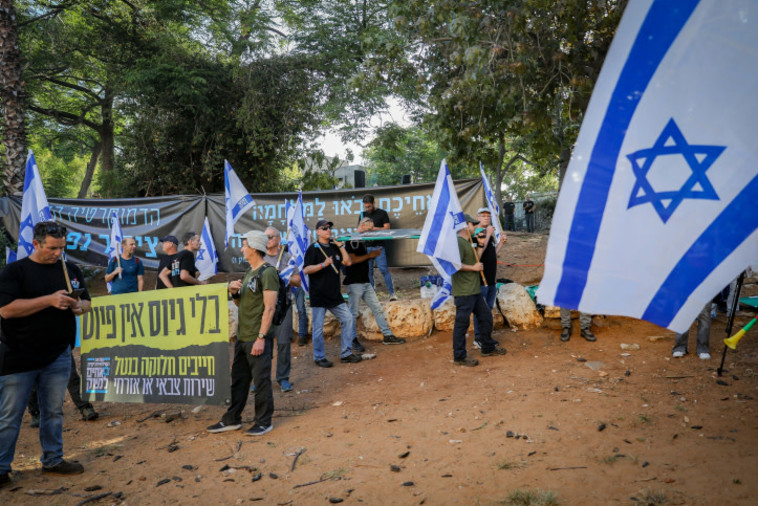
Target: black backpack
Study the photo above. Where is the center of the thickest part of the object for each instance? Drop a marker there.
(283, 302)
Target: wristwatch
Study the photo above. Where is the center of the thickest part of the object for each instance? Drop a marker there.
(261, 335)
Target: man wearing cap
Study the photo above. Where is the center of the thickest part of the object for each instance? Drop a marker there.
(488, 251)
(182, 270)
(169, 245)
(468, 299)
(379, 220)
(323, 261)
(256, 296)
(359, 288)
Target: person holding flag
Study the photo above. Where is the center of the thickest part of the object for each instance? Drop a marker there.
(446, 240)
(297, 243)
(488, 249)
(125, 272)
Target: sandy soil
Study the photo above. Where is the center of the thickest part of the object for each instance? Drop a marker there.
(589, 422)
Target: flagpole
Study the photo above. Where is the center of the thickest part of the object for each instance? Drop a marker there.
(65, 275)
(730, 323)
(471, 242)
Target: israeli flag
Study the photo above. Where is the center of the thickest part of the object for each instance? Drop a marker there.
(34, 208)
(439, 237)
(492, 204)
(657, 212)
(10, 255)
(114, 246)
(297, 240)
(238, 201)
(207, 257)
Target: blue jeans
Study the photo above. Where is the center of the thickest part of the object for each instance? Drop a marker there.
(703, 333)
(509, 223)
(51, 391)
(530, 222)
(347, 330)
(381, 262)
(302, 313)
(464, 306)
(489, 293)
(365, 291)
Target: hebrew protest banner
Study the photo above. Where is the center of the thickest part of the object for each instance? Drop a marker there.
(160, 346)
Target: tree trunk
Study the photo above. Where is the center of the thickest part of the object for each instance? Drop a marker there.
(90, 170)
(12, 96)
(106, 133)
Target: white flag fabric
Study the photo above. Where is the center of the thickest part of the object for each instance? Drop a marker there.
(439, 237)
(297, 240)
(34, 208)
(114, 246)
(492, 204)
(657, 212)
(207, 257)
(238, 201)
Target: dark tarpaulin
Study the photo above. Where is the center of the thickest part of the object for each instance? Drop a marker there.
(149, 219)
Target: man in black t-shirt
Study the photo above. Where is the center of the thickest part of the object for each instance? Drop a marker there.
(509, 209)
(169, 245)
(359, 288)
(182, 270)
(37, 333)
(529, 209)
(323, 261)
(380, 219)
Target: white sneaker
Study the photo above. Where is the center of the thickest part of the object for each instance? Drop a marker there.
(477, 345)
(679, 354)
(705, 356)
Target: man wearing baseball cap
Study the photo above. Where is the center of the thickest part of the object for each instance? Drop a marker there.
(468, 299)
(256, 296)
(489, 249)
(323, 261)
(169, 244)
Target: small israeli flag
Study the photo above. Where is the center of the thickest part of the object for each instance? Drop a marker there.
(238, 201)
(207, 257)
(492, 204)
(297, 239)
(34, 208)
(657, 212)
(114, 246)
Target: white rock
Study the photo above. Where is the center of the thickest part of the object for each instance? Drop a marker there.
(409, 318)
(233, 311)
(518, 307)
(625, 346)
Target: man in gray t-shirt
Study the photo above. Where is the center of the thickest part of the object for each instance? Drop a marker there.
(279, 258)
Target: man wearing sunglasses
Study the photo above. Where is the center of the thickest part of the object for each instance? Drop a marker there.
(323, 262)
(37, 333)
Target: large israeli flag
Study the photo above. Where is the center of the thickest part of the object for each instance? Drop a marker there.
(34, 208)
(657, 211)
(297, 241)
(114, 246)
(207, 257)
(492, 204)
(238, 201)
(439, 237)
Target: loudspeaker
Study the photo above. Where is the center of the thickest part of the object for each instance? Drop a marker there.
(406, 179)
(360, 178)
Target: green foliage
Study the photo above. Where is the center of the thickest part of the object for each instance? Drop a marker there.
(61, 171)
(526, 497)
(396, 151)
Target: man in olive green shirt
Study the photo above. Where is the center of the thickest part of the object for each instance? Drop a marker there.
(468, 299)
(256, 297)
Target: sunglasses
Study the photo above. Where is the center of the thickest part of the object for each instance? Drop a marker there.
(50, 228)
(272, 236)
(327, 227)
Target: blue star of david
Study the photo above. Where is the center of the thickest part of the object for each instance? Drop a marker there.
(643, 192)
(201, 254)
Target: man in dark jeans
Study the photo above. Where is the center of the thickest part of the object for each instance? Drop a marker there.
(256, 296)
(529, 209)
(74, 389)
(509, 209)
(468, 299)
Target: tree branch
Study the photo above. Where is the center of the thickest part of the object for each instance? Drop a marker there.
(65, 117)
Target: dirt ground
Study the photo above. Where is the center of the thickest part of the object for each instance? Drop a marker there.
(589, 423)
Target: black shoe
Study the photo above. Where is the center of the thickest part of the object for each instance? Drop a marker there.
(588, 335)
(302, 340)
(258, 430)
(357, 346)
(222, 427)
(351, 359)
(497, 350)
(64, 467)
(5, 479)
(467, 362)
(391, 339)
(322, 362)
(89, 414)
(566, 334)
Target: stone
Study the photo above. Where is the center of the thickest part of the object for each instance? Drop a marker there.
(518, 307)
(233, 312)
(629, 347)
(409, 318)
(367, 326)
(552, 312)
(296, 319)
